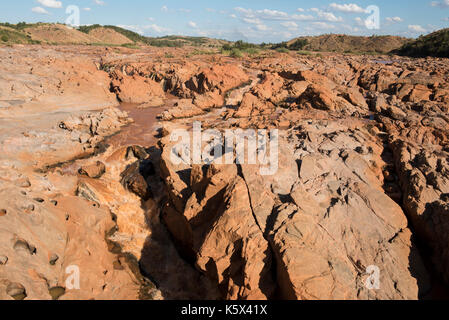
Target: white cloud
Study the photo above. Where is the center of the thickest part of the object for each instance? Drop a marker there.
(289, 24)
(326, 16)
(87, 9)
(348, 8)
(262, 27)
(100, 2)
(300, 10)
(250, 16)
(359, 21)
(416, 28)
(40, 10)
(50, 3)
(192, 24)
(441, 4)
(156, 28)
(275, 14)
(140, 29)
(394, 19)
(164, 9)
(302, 17)
(265, 14)
(252, 20)
(323, 25)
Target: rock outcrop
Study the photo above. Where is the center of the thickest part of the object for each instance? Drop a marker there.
(355, 206)
(320, 227)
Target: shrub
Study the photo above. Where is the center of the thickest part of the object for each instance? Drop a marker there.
(304, 53)
(239, 47)
(236, 53)
(5, 38)
(226, 47)
(130, 46)
(298, 44)
(435, 44)
(282, 50)
(252, 51)
(279, 45)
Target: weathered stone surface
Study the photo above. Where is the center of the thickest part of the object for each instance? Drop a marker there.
(252, 106)
(94, 170)
(335, 222)
(424, 180)
(319, 97)
(136, 89)
(182, 109)
(359, 138)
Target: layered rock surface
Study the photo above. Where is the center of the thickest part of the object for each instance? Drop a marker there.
(339, 203)
(361, 179)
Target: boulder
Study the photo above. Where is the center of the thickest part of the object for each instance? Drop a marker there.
(134, 178)
(136, 89)
(94, 171)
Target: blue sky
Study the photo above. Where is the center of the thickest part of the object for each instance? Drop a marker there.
(250, 20)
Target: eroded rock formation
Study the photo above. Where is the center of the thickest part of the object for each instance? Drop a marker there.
(361, 179)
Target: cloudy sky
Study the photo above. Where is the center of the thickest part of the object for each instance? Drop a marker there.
(250, 20)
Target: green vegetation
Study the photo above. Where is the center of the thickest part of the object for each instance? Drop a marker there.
(130, 46)
(282, 50)
(179, 41)
(166, 41)
(435, 44)
(163, 43)
(8, 35)
(238, 48)
(305, 53)
(20, 26)
(297, 45)
(236, 53)
(242, 45)
(198, 52)
(133, 36)
(340, 43)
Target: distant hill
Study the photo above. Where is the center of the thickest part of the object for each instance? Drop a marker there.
(58, 34)
(166, 41)
(435, 44)
(346, 44)
(109, 36)
(51, 33)
(188, 41)
(132, 36)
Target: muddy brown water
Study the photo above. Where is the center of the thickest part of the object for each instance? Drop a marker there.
(143, 131)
